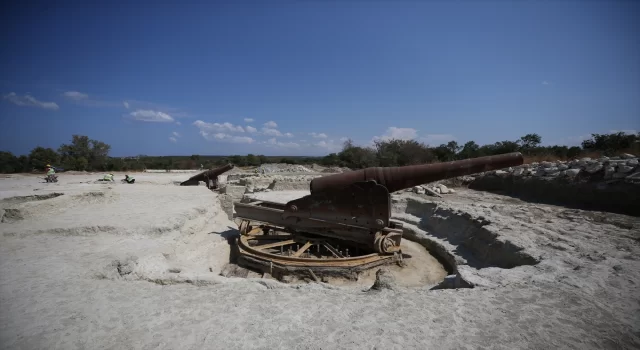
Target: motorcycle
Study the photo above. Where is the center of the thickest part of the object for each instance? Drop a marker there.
(51, 178)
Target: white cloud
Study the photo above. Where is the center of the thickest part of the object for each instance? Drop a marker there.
(28, 100)
(250, 129)
(217, 127)
(318, 136)
(143, 105)
(84, 100)
(397, 134)
(343, 139)
(274, 142)
(288, 134)
(437, 139)
(75, 95)
(173, 139)
(271, 132)
(176, 134)
(226, 137)
(329, 145)
(248, 120)
(270, 125)
(178, 123)
(151, 116)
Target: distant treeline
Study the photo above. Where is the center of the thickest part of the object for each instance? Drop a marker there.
(84, 153)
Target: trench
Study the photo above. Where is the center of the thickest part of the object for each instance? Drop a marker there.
(615, 197)
(456, 239)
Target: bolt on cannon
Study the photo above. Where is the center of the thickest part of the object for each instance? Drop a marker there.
(344, 226)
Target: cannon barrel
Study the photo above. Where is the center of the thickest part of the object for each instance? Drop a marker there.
(207, 174)
(399, 178)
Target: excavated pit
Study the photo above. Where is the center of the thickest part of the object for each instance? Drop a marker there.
(418, 268)
(11, 208)
(440, 246)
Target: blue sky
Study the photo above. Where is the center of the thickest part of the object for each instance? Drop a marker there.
(296, 77)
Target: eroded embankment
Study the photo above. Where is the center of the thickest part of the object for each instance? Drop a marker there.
(457, 239)
(620, 197)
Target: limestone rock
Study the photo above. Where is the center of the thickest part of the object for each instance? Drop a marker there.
(384, 280)
(518, 172)
(418, 190)
(633, 178)
(572, 172)
(624, 169)
(562, 167)
(633, 162)
(608, 172)
(430, 191)
(551, 170)
(627, 156)
(443, 189)
(594, 168)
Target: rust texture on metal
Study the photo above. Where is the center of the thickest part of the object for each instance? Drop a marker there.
(351, 209)
(347, 230)
(207, 174)
(303, 251)
(399, 178)
(365, 204)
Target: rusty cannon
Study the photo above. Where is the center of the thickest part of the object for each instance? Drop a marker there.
(344, 225)
(210, 177)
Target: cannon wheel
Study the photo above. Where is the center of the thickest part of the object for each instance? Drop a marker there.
(267, 246)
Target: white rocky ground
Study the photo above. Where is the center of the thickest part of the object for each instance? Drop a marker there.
(119, 266)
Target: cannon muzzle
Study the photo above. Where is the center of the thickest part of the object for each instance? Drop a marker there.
(399, 178)
(207, 174)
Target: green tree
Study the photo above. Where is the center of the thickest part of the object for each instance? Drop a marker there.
(238, 160)
(24, 163)
(95, 153)
(469, 150)
(252, 160)
(331, 159)
(80, 163)
(453, 147)
(39, 157)
(611, 143)
(530, 141)
(357, 157)
(9, 163)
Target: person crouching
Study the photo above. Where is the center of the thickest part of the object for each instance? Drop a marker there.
(129, 179)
